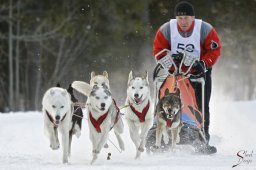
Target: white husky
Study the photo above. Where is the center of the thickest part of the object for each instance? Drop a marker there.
(57, 112)
(139, 114)
(99, 80)
(103, 115)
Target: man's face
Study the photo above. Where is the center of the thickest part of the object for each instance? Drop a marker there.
(185, 21)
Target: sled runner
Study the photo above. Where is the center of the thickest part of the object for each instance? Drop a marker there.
(175, 72)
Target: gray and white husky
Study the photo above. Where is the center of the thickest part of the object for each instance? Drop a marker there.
(139, 114)
(57, 112)
(103, 115)
(168, 117)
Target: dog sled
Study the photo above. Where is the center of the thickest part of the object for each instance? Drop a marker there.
(172, 73)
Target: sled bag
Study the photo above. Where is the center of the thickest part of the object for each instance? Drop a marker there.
(190, 112)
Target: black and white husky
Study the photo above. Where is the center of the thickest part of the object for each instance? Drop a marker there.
(139, 113)
(77, 117)
(103, 115)
(57, 112)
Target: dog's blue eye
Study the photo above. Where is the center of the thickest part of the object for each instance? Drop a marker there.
(62, 107)
(97, 97)
(141, 87)
(53, 106)
(105, 97)
(133, 87)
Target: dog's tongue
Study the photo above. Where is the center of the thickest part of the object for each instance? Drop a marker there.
(138, 100)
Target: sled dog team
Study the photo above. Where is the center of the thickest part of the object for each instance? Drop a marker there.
(104, 115)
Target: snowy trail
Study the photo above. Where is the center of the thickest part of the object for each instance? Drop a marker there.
(24, 146)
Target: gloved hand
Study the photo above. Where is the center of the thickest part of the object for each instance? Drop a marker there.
(165, 62)
(199, 67)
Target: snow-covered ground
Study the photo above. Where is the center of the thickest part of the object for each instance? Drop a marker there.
(23, 145)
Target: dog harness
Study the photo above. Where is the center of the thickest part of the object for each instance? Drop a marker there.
(52, 120)
(117, 114)
(97, 123)
(141, 115)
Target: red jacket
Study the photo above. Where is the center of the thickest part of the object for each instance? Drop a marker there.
(210, 42)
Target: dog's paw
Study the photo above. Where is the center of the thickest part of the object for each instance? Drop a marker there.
(173, 149)
(138, 155)
(166, 140)
(122, 147)
(94, 159)
(77, 131)
(106, 145)
(141, 149)
(78, 134)
(65, 161)
(54, 146)
(121, 144)
(154, 148)
(178, 139)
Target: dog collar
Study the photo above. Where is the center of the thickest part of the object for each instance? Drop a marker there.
(52, 120)
(97, 123)
(141, 115)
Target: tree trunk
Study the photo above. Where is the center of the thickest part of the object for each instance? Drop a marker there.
(10, 58)
(17, 64)
(38, 78)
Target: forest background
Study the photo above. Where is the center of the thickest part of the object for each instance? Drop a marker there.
(46, 42)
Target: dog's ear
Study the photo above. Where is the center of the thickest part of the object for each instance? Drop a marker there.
(166, 92)
(70, 89)
(58, 84)
(130, 77)
(64, 92)
(52, 92)
(92, 74)
(82, 87)
(105, 73)
(177, 93)
(146, 77)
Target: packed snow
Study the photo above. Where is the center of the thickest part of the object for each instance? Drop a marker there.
(24, 146)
